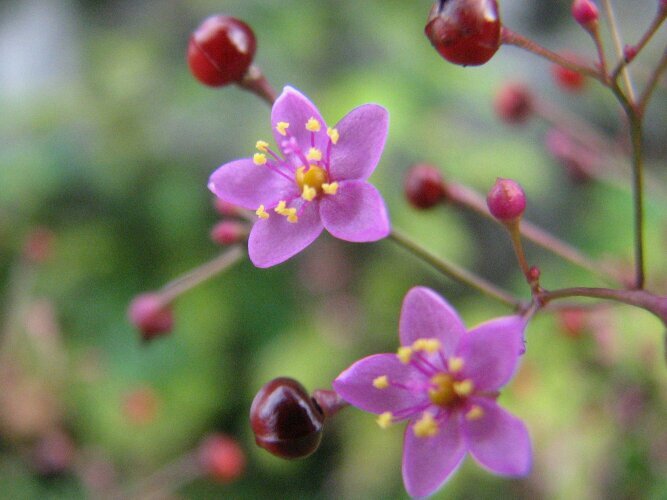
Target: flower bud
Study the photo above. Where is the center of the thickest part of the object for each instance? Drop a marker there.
(629, 52)
(150, 315)
(568, 79)
(221, 50)
(514, 103)
(228, 232)
(506, 200)
(424, 187)
(585, 12)
(285, 419)
(465, 32)
(221, 457)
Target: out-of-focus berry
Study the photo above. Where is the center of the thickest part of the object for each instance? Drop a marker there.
(222, 458)
(150, 315)
(424, 187)
(228, 232)
(514, 103)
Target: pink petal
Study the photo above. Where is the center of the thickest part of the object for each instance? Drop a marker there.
(355, 385)
(427, 315)
(498, 440)
(491, 352)
(296, 109)
(363, 132)
(247, 185)
(355, 213)
(274, 240)
(429, 461)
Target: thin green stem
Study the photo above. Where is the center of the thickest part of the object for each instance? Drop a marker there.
(638, 196)
(652, 84)
(652, 29)
(618, 45)
(602, 59)
(453, 271)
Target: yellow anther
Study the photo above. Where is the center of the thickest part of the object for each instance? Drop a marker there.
(263, 146)
(333, 135)
(330, 187)
(261, 213)
(425, 426)
(464, 388)
(282, 127)
(314, 154)
(428, 345)
(475, 413)
(313, 125)
(455, 364)
(280, 208)
(381, 382)
(259, 159)
(385, 419)
(308, 193)
(292, 217)
(404, 354)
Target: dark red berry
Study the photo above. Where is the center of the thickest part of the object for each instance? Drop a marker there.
(465, 32)
(514, 103)
(424, 187)
(506, 200)
(148, 313)
(285, 419)
(221, 457)
(221, 50)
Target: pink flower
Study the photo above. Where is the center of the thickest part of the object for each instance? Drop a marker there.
(316, 179)
(445, 381)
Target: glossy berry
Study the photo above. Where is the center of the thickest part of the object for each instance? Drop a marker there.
(285, 419)
(513, 103)
(506, 200)
(222, 458)
(585, 12)
(221, 50)
(424, 187)
(228, 232)
(150, 315)
(465, 32)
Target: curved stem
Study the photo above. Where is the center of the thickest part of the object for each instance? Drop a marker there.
(652, 29)
(453, 271)
(618, 44)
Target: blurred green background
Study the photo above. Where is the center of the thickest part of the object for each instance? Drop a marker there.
(107, 143)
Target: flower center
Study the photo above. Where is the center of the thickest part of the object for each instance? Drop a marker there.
(442, 393)
(314, 177)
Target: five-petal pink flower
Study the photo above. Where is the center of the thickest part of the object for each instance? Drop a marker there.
(445, 381)
(315, 180)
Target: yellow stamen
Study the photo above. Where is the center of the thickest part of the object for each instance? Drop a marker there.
(292, 217)
(314, 154)
(330, 188)
(259, 159)
(263, 146)
(455, 364)
(381, 382)
(308, 193)
(280, 208)
(261, 213)
(404, 354)
(282, 127)
(333, 135)
(313, 125)
(385, 419)
(425, 426)
(427, 345)
(475, 413)
(463, 388)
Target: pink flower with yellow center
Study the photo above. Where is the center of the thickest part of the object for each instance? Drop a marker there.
(315, 180)
(444, 380)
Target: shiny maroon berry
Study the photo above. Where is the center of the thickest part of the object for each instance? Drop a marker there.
(285, 419)
(222, 458)
(465, 32)
(585, 12)
(221, 50)
(514, 103)
(150, 315)
(424, 187)
(506, 200)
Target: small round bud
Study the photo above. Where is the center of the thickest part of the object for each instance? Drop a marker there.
(150, 315)
(629, 52)
(221, 50)
(465, 32)
(585, 12)
(221, 457)
(285, 419)
(568, 79)
(534, 274)
(514, 103)
(424, 187)
(225, 208)
(228, 232)
(506, 200)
